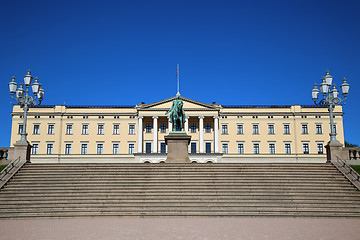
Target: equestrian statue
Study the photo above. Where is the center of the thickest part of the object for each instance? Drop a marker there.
(177, 114)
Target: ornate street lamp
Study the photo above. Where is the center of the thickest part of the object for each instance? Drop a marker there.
(24, 99)
(330, 99)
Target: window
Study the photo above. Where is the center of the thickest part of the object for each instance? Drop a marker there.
(255, 129)
(208, 147)
(51, 129)
(207, 127)
(85, 129)
(131, 148)
(100, 129)
(286, 129)
(69, 129)
(163, 127)
(84, 148)
(68, 148)
(193, 128)
(272, 148)
(225, 148)
(162, 147)
(49, 148)
(240, 129)
(256, 148)
(131, 129)
(334, 128)
(148, 128)
(35, 148)
(36, 129)
(240, 148)
(320, 148)
(148, 147)
(305, 148)
(115, 148)
(304, 129)
(224, 129)
(20, 129)
(193, 147)
(287, 148)
(271, 129)
(100, 148)
(318, 129)
(116, 129)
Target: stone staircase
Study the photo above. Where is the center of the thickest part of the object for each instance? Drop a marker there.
(178, 190)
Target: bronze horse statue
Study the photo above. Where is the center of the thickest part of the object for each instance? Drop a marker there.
(177, 114)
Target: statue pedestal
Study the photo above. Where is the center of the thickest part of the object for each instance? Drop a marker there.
(177, 143)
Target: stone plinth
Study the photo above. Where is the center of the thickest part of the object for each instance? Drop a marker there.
(177, 143)
(334, 150)
(20, 150)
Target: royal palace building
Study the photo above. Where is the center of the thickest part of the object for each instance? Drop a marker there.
(219, 133)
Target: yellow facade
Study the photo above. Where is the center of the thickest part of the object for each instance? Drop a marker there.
(281, 132)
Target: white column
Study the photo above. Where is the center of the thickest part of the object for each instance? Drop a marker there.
(216, 134)
(140, 134)
(201, 134)
(186, 124)
(155, 140)
(170, 125)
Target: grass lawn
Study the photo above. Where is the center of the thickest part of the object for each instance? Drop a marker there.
(2, 167)
(356, 168)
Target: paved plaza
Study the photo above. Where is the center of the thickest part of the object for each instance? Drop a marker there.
(181, 228)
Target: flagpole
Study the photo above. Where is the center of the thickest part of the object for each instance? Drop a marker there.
(178, 80)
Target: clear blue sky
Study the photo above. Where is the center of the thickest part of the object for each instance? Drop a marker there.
(231, 52)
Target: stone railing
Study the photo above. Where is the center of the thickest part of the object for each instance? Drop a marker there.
(4, 155)
(354, 152)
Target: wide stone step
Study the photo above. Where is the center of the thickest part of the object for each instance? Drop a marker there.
(317, 214)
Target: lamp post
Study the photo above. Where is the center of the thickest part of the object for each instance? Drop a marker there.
(330, 99)
(24, 99)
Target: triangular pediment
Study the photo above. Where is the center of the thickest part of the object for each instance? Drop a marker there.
(189, 104)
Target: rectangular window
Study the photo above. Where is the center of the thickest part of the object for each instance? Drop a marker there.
(271, 129)
(115, 148)
(85, 129)
(286, 129)
(51, 129)
(208, 147)
(131, 148)
(318, 129)
(148, 147)
(162, 147)
(305, 148)
(287, 148)
(36, 129)
(100, 148)
(207, 127)
(320, 148)
(35, 148)
(255, 129)
(20, 129)
(163, 128)
(272, 148)
(224, 129)
(225, 148)
(304, 129)
(256, 148)
(69, 129)
(240, 129)
(334, 129)
(132, 130)
(84, 148)
(193, 128)
(100, 129)
(148, 128)
(68, 148)
(49, 148)
(241, 148)
(193, 147)
(116, 129)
